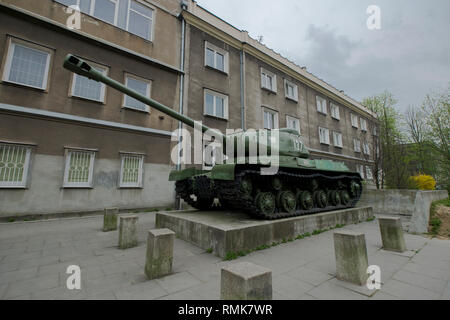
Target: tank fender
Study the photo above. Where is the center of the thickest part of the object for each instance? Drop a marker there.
(223, 172)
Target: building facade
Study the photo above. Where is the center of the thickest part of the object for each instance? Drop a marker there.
(68, 144)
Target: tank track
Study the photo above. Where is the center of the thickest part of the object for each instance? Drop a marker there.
(232, 197)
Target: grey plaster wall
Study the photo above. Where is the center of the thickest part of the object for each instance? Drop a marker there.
(45, 194)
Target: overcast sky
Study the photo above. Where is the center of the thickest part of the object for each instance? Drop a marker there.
(409, 56)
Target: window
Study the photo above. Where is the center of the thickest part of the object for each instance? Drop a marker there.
(337, 139)
(134, 16)
(270, 119)
(321, 105)
(354, 119)
(366, 148)
(86, 88)
(363, 125)
(216, 58)
(293, 123)
(131, 171)
(335, 111)
(375, 131)
(216, 104)
(27, 64)
(369, 174)
(140, 85)
(357, 145)
(105, 10)
(140, 20)
(14, 164)
(360, 170)
(324, 136)
(291, 90)
(268, 80)
(79, 168)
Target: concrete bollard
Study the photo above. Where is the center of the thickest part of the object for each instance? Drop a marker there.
(110, 219)
(128, 232)
(392, 234)
(159, 253)
(351, 257)
(246, 281)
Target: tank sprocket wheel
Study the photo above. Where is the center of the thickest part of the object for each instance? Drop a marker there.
(286, 201)
(247, 185)
(266, 203)
(345, 197)
(306, 201)
(320, 199)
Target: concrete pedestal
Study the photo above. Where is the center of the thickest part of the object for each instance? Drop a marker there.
(110, 219)
(351, 257)
(392, 234)
(128, 232)
(226, 232)
(246, 281)
(159, 253)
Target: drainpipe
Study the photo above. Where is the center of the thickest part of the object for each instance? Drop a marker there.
(181, 109)
(242, 69)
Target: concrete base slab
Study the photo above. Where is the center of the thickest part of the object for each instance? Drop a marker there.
(224, 232)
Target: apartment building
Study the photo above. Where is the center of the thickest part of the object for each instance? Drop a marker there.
(69, 144)
(256, 88)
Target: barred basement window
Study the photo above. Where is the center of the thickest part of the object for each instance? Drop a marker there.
(14, 164)
(79, 169)
(131, 171)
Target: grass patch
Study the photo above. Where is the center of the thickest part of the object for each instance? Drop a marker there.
(370, 219)
(210, 250)
(11, 220)
(435, 221)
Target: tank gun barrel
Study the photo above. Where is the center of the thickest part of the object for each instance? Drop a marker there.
(83, 68)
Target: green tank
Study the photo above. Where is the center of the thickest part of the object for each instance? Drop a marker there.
(300, 185)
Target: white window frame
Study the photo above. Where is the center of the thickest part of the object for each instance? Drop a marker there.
(360, 170)
(375, 130)
(152, 33)
(356, 145)
(116, 13)
(290, 119)
(220, 51)
(12, 43)
(23, 183)
(286, 91)
(264, 75)
(86, 185)
(321, 104)
(354, 120)
(369, 174)
(335, 111)
(324, 136)
(102, 85)
(140, 182)
(363, 124)
(276, 124)
(148, 93)
(225, 104)
(337, 140)
(366, 148)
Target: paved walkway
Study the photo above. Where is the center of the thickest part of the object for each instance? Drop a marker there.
(34, 257)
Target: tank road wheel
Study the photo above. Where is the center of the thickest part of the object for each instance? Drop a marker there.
(277, 184)
(306, 200)
(320, 198)
(334, 198)
(265, 202)
(247, 185)
(355, 188)
(286, 201)
(345, 197)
